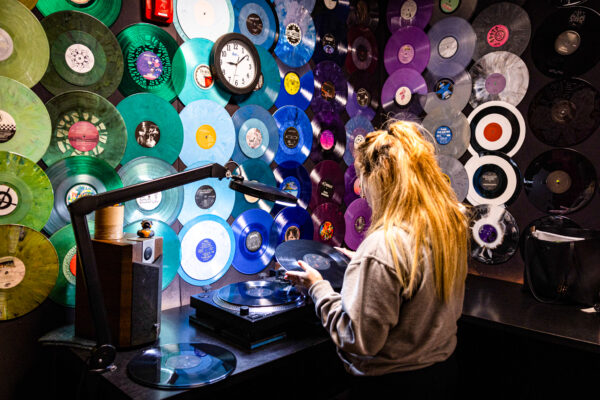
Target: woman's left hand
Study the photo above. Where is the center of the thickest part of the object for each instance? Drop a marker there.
(305, 278)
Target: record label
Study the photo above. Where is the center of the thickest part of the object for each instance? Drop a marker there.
(446, 91)
(363, 95)
(402, 13)
(254, 245)
(331, 88)
(357, 219)
(291, 223)
(363, 50)
(291, 82)
(408, 47)
(327, 180)
(329, 137)
(293, 178)
(449, 131)
(456, 8)
(257, 134)
(296, 86)
(494, 234)
(256, 20)
(329, 224)
(494, 179)
(400, 90)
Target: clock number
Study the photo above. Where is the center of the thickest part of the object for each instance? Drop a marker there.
(223, 53)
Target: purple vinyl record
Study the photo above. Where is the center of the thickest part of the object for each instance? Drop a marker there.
(329, 137)
(328, 224)
(401, 13)
(351, 185)
(452, 45)
(363, 53)
(331, 88)
(357, 220)
(327, 184)
(356, 129)
(363, 94)
(400, 90)
(407, 48)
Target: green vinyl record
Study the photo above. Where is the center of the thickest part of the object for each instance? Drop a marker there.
(106, 11)
(84, 123)
(154, 128)
(84, 54)
(25, 126)
(148, 53)
(26, 196)
(266, 91)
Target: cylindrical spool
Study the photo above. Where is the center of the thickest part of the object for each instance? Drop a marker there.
(109, 223)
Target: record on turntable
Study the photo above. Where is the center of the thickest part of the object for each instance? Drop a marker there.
(446, 91)
(331, 88)
(293, 178)
(327, 182)
(501, 26)
(329, 137)
(351, 185)
(452, 43)
(407, 48)
(357, 219)
(22, 40)
(449, 131)
(256, 20)
(560, 181)
(260, 296)
(402, 13)
(106, 11)
(208, 19)
(329, 225)
(401, 90)
(494, 234)
(292, 223)
(297, 34)
(494, 179)
(28, 270)
(85, 124)
(565, 112)
(256, 171)
(452, 8)
(254, 246)
(357, 129)
(363, 51)
(364, 13)
(296, 87)
(295, 134)
(257, 135)
(363, 95)
(456, 175)
(331, 43)
(269, 83)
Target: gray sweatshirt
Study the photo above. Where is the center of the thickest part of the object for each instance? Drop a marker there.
(375, 325)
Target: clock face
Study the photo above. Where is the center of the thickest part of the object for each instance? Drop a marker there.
(237, 64)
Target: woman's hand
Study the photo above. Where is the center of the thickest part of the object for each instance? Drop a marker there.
(305, 278)
(348, 253)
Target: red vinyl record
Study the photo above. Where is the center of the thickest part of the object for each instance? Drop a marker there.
(327, 181)
(329, 225)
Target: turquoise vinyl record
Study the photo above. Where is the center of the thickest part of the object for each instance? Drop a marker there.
(266, 91)
(258, 171)
(257, 134)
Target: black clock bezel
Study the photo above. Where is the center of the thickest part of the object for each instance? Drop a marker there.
(215, 62)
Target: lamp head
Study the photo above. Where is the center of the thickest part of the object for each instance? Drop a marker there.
(262, 191)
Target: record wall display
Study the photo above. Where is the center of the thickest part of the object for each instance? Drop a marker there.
(363, 95)
(407, 48)
(401, 90)
(560, 181)
(297, 34)
(336, 8)
(329, 225)
(22, 39)
(494, 179)
(402, 13)
(84, 123)
(106, 11)
(327, 182)
(26, 196)
(356, 129)
(566, 44)
(208, 19)
(501, 76)
(446, 91)
(256, 171)
(308, 4)
(494, 234)
(351, 185)
(363, 50)
(456, 175)
(449, 131)
(295, 135)
(357, 219)
(296, 87)
(254, 246)
(291, 223)
(256, 20)
(331, 88)
(148, 53)
(84, 54)
(331, 41)
(565, 112)
(267, 89)
(452, 8)
(25, 126)
(257, 134)
(28, 270)
(452, 43)
(154, 128)
(293, 178)
(364, 13)
(329, 137)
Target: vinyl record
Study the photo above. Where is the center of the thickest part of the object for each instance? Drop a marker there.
(565, 112)
(308, 4)
(192, 77)
(154, 128)
(351, 185)
(407, 48)
(256, 20)
(406, 116)
(329, 225)
(452, 8)
(560, 181)
(501, 26)
(329, 137)
(552, 223)
(254, 247)
(331, 42)
(566, 43)
(336, 8)
(363, 50)
(28, 267)
(449, 131)
(106, 11)
(25, 126)
(84, 53)
(400, 92)
(295, 135)
(257, 171)
(494, 179)
(496, 126)
(296, 87)
(402, 13)
(148, 53)
(162, 206)
(26, 196)
(452, 45)
(331, 88)
(364, 13)
(208, 133)
(456, 175)
(450, 92)
(29, 3)
(260, 294)
(266, 91)
(327, 183)
(356, 129)
(293, 178)
(208, 19)
(297, 34)
(494, 234)
(207, 249)
(181, 365)
(84, 123)
(22, 40)
(75, 177)
(206, 196)
(291, 223)
(257, 135)
(363, 95)
(357, 219)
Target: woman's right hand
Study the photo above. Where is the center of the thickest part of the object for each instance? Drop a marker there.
(347, 252)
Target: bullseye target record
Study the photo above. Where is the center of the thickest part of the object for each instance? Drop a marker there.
(494, 179)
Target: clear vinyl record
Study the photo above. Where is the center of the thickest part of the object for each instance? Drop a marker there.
(449, 131)
(494, 234)
(456, 175)
(446, 91)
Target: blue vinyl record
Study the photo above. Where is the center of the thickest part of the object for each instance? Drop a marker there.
(295, 135)
(254, 247)
(296, 87)
(293, 178)
(256, 20)
(292, 223)
(253, 170)
(257, 134)
(308, 4)
(297, 34)
(266, 91)
(356, 129)
(192, 77)
(207, 249)
(206, 196)
(208, 133)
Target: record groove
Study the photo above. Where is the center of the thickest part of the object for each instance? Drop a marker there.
(494, 179)
(363, 50)
(296, 87)
(106, 11)
(297, 34)
(357, 129)
(331, 88)
(327, 184)
(452, 43)
(402, 13)
(329, 224)
(357, 219)
(254, 246)
(295, 135)
(256, 20)
(291, 223)
(408, 47)
(450, 92)
(449, 132)
(329, 137)
(401, 90)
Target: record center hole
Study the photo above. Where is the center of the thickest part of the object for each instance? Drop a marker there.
(12, 272)
(492, 132)
(563, 111)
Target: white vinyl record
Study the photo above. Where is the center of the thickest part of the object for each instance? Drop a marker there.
(494, 234)
(493, 179)
(209, 19)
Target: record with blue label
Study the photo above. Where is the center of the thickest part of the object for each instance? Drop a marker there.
(327, 184)
(295, 135)
(293, 178)
(254, 247)
(329, 137)
(308, 4)
(207, 249)
(331, 88)
(192, 77)
(401, 92)
(208, 133)
(209, 19)
(297, 34)
(494, 179)
(296, 87)
(356, 129)
(402, 13)
(357, 219)
(449, 131)
(206, 196)
(351, 185)
(292, 223)
(256, 20)
(171, 256)
(331, 39)
(329, 224)
(363, 53)
(446, 91)
(452, 45)
(257, 135)
(257, 171)
(267, 89)
(407, 48)
(363, 94)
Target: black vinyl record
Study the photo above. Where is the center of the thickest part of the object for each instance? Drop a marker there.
(363, 94)
(331, 43)
(452, 8)
(327, 183)
(260, 294)
(560, 181)
(364, 13)
(329, 137)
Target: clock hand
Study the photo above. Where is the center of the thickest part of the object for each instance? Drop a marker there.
(241, 59)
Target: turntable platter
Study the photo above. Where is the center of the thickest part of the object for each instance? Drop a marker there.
(259, 294)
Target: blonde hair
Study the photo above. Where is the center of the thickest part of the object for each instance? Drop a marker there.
(406, 188)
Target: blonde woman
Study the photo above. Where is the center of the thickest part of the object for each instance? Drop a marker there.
(394, 323)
